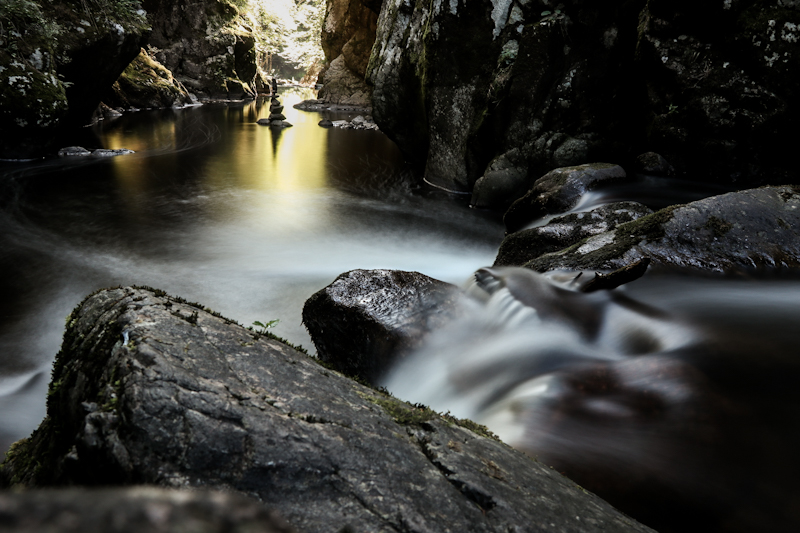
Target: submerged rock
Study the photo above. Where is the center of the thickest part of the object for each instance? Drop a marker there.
(755, 228)
(505, 180)
(366, 319)
(560, 232)
(149, 389)
(133, 510)
(559, 191)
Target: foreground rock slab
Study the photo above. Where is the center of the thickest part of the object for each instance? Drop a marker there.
(363, 321)
(150, 389)
(755, 228)
(134, 510)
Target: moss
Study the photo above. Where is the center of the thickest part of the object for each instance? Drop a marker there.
(718, 226)
(402, 412)
(626, 236)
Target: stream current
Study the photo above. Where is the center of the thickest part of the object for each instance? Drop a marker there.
(674, 389)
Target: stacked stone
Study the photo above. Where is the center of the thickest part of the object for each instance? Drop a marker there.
(276, 118)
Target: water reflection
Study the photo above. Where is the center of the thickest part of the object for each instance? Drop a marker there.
(244, 218)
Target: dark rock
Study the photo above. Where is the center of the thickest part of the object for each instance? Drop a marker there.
(525, 245)
(149, 389)
(559, 191)
(279, 124)
(275, 108)
(505, 180)
(755, 228)
(366, 319)
(277, 116)
(263, 122)
(325, 123)
(133, 510)
(653, 164)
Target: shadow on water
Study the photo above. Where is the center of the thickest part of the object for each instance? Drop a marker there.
(213, 207)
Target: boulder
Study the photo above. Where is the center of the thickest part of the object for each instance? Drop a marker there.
(152, 389)
(366, 319)
(559, 191)
(146, 83)
(133, 510)
(57, 59)
(325, 123)
(563, 231)
(505, 180)
(740, 230)
(653, 164)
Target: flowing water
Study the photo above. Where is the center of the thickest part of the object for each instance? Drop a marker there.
(673, 397)
(248, 220)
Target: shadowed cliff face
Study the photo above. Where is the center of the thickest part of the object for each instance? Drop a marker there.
(457, 85)
(56, 59)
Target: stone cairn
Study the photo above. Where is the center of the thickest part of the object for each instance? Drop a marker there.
(276, 118)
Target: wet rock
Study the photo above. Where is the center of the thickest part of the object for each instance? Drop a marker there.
(133, 510)
(277, 116)
(559, 191)
(151, 389)
(366, 319)
(105, 152)
(325, 123)
(563, 231)
(74, 151)
(325, 105)
(505, 180)
(754, 228)
(358, 123)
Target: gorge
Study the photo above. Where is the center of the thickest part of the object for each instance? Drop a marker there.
(561, 137)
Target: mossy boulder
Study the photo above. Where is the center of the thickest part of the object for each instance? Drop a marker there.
(560, 232)
(146, 83)
(56, 61)
(751, 229)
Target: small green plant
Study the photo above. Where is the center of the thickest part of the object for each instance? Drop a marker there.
(264, 327)
(556, 15)
(672, 109)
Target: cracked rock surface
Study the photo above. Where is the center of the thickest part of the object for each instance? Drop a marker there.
(150, 389)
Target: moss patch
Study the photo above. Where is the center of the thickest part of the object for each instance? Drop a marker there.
(718, 226)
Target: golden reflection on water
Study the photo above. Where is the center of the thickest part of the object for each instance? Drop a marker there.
(231, 147)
